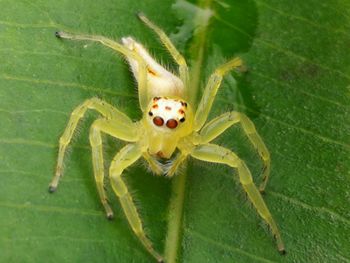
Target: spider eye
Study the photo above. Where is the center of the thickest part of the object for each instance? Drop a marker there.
(172, 124)
(150, 113)
(182, 119)
(158, 121)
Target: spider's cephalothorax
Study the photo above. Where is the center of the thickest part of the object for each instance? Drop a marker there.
(168, 124)
(167, 121)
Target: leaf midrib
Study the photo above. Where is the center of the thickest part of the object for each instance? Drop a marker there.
(175, 223)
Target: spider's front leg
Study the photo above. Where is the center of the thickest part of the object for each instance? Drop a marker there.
(142, 72)
(217, 154)
(210, 91)
(218, 125)
(126, 157)
(183, 69)
(126, 133)
(105, 109)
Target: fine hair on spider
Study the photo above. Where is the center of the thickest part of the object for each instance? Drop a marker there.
(169, 132)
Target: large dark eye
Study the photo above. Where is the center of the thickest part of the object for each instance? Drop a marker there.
(158, 121)
(172, 124)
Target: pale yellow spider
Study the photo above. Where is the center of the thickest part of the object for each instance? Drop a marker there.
(169, 125)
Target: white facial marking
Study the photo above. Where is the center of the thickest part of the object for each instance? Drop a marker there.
(171, 111)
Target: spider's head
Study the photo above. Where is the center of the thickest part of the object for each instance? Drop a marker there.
(170, 115)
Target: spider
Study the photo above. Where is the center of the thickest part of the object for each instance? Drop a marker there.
(169, 129)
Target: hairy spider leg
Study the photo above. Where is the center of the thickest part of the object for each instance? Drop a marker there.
(111, 127)
(217, 154)
(217, 126)
(105, 109)
(126, 157)
(179, 59)
(142, 78)
(210, 91)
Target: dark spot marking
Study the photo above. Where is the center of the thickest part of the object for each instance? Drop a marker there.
(183, 103)
(110, 216)
(152, 72)
(160, 154)
(156, 98)
(158, 121)
(181, 111)
(167, 108)
(171, 124)
(58, 34)
(155, 106)
(52, 189)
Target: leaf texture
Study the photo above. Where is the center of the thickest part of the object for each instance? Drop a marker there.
(295, 89)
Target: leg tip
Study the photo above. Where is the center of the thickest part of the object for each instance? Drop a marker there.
(52, 189)
(58, 34)
(283, 251)
(140, 14)
(110, 217)
(262, 191)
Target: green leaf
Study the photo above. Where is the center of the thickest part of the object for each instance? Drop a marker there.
(296, 91)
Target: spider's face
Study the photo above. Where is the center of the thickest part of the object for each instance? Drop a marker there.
(169, 115)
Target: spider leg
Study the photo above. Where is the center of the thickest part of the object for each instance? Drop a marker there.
(179, 59)
(106, 110)
(218, 125)
(115, 130)
(126, 157)
(210, 91)
(142, 78)
(217, 154)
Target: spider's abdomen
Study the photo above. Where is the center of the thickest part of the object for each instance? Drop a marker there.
(167, 120)
(159, 80)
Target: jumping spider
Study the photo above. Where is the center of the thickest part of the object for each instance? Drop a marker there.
(169, 123)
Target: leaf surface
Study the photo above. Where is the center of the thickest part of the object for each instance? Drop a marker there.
(296, 91)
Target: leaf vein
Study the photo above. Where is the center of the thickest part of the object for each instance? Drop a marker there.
(276, 81)
(226, 246)
(303, 19)
(282, 50)
(319, 136)
(65, 84)
(36, 53)
(22, 141)
(306, 206)
(56, 209)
